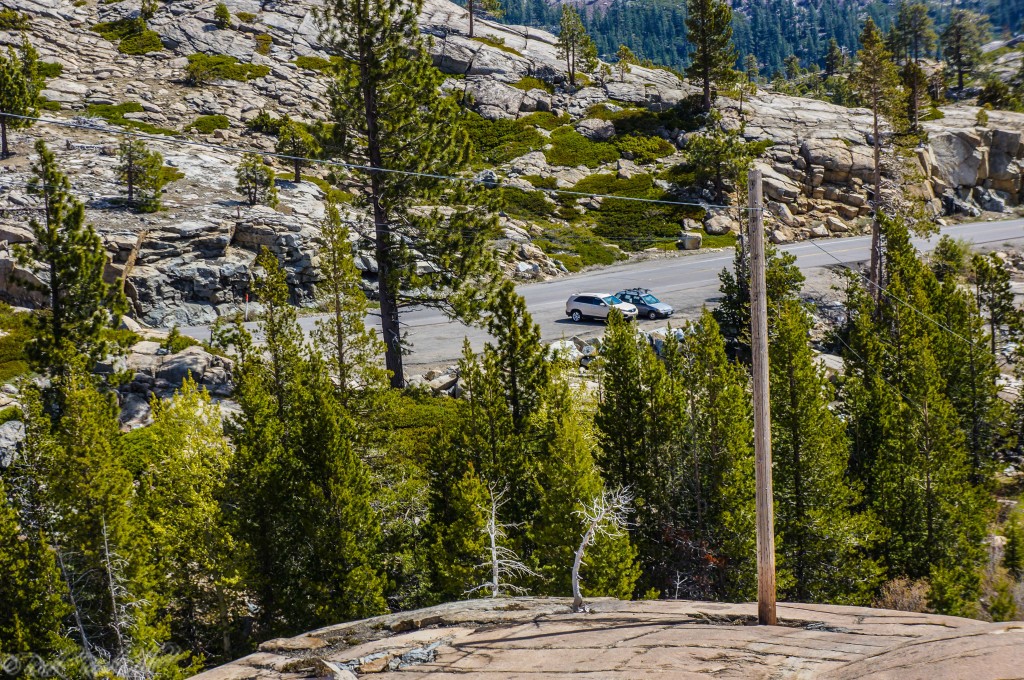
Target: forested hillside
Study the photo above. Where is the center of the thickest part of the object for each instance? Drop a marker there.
(771, 30)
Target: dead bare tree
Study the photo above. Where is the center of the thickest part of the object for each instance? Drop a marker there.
(503, 562)
(607, 514)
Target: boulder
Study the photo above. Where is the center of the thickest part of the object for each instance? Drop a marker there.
(12, 433)
(820, 231)
(191, 360)
(781, 235)
(690, 240)
(720, 224)
(596, 129)
(960, 159)
(836, 225)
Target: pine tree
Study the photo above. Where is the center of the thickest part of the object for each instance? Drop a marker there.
(222, 16)
(84, 502)
(142, 172)
(183, 462)
(712, 485)
(32, 591)
(350, 349)
(294, 140)
(752, 69)
(574, 45)
(876, 83)
(568, 478)
(519, 355)
(709, 30)
(387, 97)
(301, 496)
(459, 540)
(624, 58)
(962, 40)
(720, 156)
(1013, 552)
(915, 83)
(256, 180)
(17, 94)
(783, 280)
(914, 27)
(70, 253)
(995, 297)
(822, 545)
(632, 401)
(835, 59)
(491, 8)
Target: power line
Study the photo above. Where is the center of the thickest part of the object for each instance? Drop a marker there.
(364, 168)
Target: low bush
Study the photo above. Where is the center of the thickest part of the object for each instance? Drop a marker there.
(207, 124)
(170, 174)
(50, 69)
(46, 105)
(541, 182)
(114, 113)
(263, 43)
(10, 413)
(576, 247)
(202, 68)
(245, 17)
(546, 120)
(499, 141)
(684, 116)
(120, 29)
(142, 43)
(530, 83)
(264, 122)
(318, 64)
(529, 205)
(13, 20)
(122, 337)
(643, 149)
(16, 333)
(498, 43)
(633, 224)
(570, 148)
(176, 342)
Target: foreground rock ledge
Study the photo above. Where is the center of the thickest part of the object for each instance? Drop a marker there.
(540, 638)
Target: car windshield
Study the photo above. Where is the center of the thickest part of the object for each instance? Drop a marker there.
(650, 299)
(612, 300)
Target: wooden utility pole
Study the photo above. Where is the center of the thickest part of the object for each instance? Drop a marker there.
(762, 412)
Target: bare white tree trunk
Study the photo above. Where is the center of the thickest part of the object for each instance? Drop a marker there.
(605, 515)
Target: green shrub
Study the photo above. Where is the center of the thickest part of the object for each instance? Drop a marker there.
(530, 83)
(16, 333)
(498, 43)
(46, 105)
(202, 68)
(207, 124)
(263, 43)
(530, 205)
(633, 224)
(245, 17)
(317, 63)
(541, 182)
(13, 20)
(570, 148)
(546, 120)
(122, 337)
(634, 120)
(582, 80)
(10, 413)
(120, 29)
(933, 113)
(643, 149)
(50, 69)
(499, 141)
(576, 247)
(142, 43)
(114, 113)
(176, 342)
(222, 16)
(264, 122)
(170, 174)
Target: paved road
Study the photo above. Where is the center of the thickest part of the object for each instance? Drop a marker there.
(687, 282)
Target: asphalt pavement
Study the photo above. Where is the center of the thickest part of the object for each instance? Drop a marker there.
(687, 281)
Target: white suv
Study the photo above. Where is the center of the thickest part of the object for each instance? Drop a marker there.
(581, 306)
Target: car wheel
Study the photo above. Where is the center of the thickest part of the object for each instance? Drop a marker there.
(652, 315)
(576, 316)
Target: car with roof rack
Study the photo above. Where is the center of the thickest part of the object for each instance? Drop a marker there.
(582, 306)
(647, 305)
